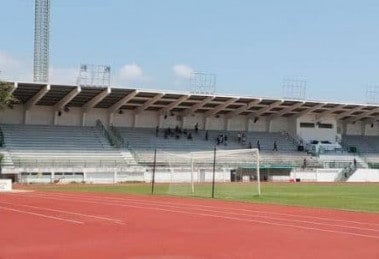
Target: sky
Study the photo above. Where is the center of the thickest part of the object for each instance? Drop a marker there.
(252, 46)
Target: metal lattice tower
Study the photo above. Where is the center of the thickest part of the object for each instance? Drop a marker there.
(41, 41)
(203, 83)
(294, 89)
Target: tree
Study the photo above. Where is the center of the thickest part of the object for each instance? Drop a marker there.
(6, 96)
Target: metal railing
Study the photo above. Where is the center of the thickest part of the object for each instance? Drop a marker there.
(116, 135)
(1, 138)
(105, 133)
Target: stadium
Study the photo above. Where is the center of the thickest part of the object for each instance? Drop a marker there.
(63, 133)
(93, 170)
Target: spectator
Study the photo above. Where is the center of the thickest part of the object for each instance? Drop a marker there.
(250, 146)
(157, 131)
(177, 129)
(258, 145)
(239, 137)
(225, 138)
(275, 146)
(206, 135)
(243, 139)
(189, 136)
(304, 163)
(196, 127)
(355, 162)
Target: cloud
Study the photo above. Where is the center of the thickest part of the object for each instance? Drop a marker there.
(63, 75)
(182, 71)
(130, 72)
(15, 69)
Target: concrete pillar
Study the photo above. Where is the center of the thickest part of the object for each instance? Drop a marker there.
(268, 125)
(227, 124)
(26, 116)
(83, 119)
(135, 120)
(363, 128)
(206, 119)
(248, 122)
(110, 118)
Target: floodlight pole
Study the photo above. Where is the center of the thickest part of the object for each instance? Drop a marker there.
(214, 173)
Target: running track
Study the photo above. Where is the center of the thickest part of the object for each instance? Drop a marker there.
(73, 225)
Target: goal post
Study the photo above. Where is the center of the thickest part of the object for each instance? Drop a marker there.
(195, 173)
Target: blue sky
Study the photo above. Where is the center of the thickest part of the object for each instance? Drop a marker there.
(250, 45)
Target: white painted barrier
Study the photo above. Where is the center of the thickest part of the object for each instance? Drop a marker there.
(5, 185)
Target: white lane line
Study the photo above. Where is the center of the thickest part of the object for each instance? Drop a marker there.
(42, 215)
(220, 216)
(116, 221)
(234, 209)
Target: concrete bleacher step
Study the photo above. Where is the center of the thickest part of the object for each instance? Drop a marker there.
(52, 145)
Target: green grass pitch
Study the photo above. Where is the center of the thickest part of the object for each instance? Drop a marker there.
(343, 196)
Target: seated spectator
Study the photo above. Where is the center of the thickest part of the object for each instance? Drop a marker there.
(239, 137)
(243, 139)
(157, 131)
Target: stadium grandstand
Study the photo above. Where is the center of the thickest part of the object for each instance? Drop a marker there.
(103, 134)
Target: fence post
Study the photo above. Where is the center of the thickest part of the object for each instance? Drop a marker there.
(154, 165)
(214, 173)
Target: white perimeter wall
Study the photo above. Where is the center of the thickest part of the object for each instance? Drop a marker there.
(320, 175)
(365, 175)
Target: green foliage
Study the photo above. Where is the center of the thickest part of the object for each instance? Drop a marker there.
(6, 96)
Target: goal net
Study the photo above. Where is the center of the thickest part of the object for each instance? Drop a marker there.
(216, 173)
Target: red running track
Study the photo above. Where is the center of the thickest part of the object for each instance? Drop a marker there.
(72, 225)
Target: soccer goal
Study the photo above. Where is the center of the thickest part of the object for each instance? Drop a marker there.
(205, 173)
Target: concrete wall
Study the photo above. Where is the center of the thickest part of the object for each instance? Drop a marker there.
(44, 115)
(365, 175)
(316, 133)
(12, 116)
(238, 123)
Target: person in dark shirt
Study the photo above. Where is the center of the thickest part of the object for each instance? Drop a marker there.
(275, 146)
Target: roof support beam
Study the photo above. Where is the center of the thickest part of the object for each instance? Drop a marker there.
(347, 113)
(361, 116)
(173, 104)
(220, 107)
(122, 102)
(32, 101)
(286, 110)
(309, 110)
(15, 85)
(242, 108)
(197, 106)
(148, 103)
(330, 111)
(266, 109)
(98, 98)
(65, 100)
